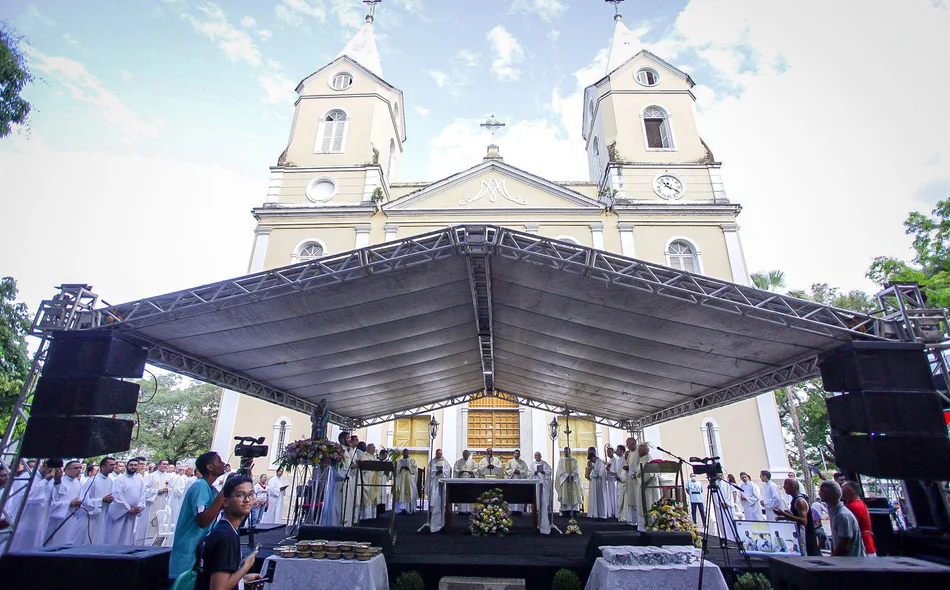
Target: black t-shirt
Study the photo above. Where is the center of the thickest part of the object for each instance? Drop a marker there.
(220, 552)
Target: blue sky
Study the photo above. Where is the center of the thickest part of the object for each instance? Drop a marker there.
(155, 122)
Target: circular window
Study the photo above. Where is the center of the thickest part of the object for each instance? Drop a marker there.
(648, 77)
(321, 190)
(341, 81)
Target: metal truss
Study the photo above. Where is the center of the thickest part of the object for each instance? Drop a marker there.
(479, 276)
(73, 308)
(764, 382)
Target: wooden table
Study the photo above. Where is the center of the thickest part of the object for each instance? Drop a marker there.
(467, 491)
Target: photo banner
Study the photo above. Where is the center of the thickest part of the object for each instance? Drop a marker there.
(759, 537)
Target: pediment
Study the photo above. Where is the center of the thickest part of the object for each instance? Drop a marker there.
(492, 185)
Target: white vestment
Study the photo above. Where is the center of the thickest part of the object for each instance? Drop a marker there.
(490, 467)
(773, 499)
(569, 484)
(176, 494)
(751, 509)
(406, 493)
(465, 468)
(622, 478)
(155, 501)
(542, 470)
(128, 492)
(275, 509)
(597, 493)
(31, 531)
(633, 514)
(612, 464)
(61, 529)
(522, 468)
(439, 469)
(351, 486)
(723, 510)
(90, 520)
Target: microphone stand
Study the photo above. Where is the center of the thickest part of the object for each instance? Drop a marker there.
(682, 462)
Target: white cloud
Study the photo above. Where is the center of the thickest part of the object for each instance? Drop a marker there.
(126, 75)
(467, 58)
(553, 35)
(546, 9)
(413, 6)
(293, 12)
(248, 22)
(507, 52)
(349, 14)
(278, 88)
(264, 34)
(212, 22)
(451, 82)
(423, 112)
(70, 39)
(87, 88)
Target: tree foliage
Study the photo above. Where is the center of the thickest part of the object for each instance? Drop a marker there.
(15, 324)
(176, 419)
(931, 264)
(14, 76)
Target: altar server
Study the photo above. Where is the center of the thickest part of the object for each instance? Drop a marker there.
(331, 514)
(465, 468)
(541, 469)
(749, 498)
(406, 495)
(568, 483)
(631, 464)
(618, 465)
(771, 497)
(723, 507)
(516, 468)
(439, 469)
(128, 502)
(276, 488)
(490, 466)
(611, 465)
(176, 490)
(96, 497)
(65, 499)
(351, 483)
(596, 473)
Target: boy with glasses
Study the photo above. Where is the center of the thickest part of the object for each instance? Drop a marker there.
(199, 509)
(220, 566)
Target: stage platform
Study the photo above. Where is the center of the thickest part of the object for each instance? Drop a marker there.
(523, 554)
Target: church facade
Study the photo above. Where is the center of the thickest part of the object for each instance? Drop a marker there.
(654, 193)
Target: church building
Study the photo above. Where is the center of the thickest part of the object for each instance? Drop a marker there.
(654, 193)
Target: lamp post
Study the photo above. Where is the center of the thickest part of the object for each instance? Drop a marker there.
(433, 432)
(553, 431)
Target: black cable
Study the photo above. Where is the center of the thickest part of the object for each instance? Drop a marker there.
(154, 390)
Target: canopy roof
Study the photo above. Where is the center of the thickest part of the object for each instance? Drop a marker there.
(469, 311)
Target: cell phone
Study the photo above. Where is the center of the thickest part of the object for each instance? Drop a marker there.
(255, 583)
(268, 574)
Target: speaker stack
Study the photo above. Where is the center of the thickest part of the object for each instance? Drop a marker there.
(79, 392)
(888, 421)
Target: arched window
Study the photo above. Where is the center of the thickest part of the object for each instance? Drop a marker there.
(341, 81)
(597, 165)
(391, 171)
(308, 250)
(279, 439)
(648, 77)
(683, 256)
(656, 127)
(332, 133)
(711, 441)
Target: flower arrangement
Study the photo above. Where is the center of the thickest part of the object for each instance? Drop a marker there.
(323, 453)
(491, 516)
(668, 515)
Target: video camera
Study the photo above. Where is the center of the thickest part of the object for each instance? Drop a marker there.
(249, 447)
(708, 466)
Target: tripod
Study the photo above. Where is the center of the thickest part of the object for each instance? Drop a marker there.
(713, 493)
(245, 470)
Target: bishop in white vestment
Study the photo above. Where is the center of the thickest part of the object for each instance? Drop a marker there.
(515, 468)
(406, 495)
(596, 472)
(541, 469)
(490, 466)
(439, 469)
(465, 468)
(568, 483)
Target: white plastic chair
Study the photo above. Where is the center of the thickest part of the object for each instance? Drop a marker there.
(164, 526)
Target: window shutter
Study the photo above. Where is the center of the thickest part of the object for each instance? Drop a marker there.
(665, 134)
(338, 129)
(402, 432)
(326, 131)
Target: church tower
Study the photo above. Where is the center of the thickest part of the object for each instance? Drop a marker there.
(347, 134)
(640, 129)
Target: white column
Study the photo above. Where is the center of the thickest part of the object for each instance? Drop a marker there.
(532, 228)
(362, 235)
(374, 435)
(734, 251)
(651, 434)
(390, 230)
(599, 441)
(772, 433)
(224, 428)
(463, 430)
(626, 240)
(450, 449)
(390, 432)
(273, 186)
(261, 238)
(374, 180)
(525, 432)
(597, 235)
(615, 436)
(615, 180)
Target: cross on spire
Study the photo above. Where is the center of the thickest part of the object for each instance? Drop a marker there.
(616, 4)
(372, 9)
(493, 125)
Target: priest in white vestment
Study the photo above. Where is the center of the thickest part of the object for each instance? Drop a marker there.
(176, 491)
(568, 483)
(439, 469)
(465, 468)
(65, 499)
(351, 495)
(490, 467)
(771, 496)
(406, 494)
(541, 469)
(619, 461)
(157, 486)
(31, 530)
(516, 468)
(749, 497)
(596, 473)
(276, 488)
(96, 497)
(128, 504)
(611, 479)
(723, 505)
(631, 465)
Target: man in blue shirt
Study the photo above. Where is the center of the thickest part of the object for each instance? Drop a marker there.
(199, 510)
(220, 567)
(696, 501)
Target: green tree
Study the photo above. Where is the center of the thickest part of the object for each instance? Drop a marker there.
(931, 264)
(825, 294)
(14, 76)
(772, 280)
(15, 324)
(176, 418)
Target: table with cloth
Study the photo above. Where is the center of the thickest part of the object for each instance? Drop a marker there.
(652, 568)
(300, 574)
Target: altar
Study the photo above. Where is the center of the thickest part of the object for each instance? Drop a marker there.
(467, 491)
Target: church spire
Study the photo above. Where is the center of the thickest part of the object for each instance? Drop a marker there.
(624, 45)
(362, 47)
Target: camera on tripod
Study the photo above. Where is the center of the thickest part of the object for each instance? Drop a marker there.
(249, 447)
(708, 466)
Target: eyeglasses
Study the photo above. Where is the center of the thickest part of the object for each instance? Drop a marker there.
(243, 497)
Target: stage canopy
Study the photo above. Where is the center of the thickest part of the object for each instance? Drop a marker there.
(453, 315)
